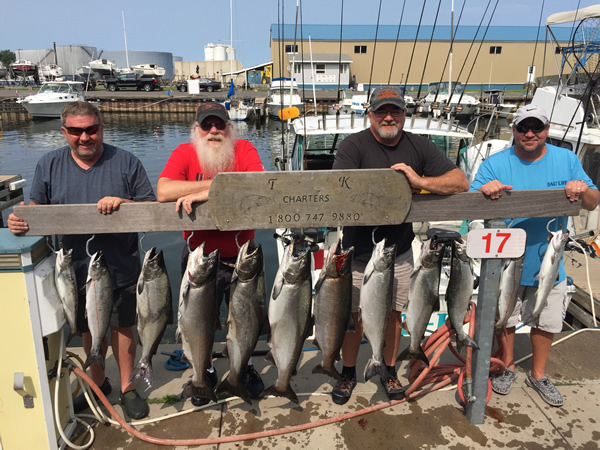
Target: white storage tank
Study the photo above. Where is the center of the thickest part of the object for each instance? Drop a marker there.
(220, 52)
(209, 52)
(230, 53)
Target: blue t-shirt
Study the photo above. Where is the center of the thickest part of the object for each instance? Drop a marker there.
(58, 180)
(557, 167)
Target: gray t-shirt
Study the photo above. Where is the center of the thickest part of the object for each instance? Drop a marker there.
(58, 180)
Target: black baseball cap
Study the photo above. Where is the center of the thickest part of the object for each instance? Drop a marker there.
(211, 109)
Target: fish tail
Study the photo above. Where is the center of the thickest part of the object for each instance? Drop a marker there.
(144, 371)
(466, 340)
(238, 390)
(198, 391)
(95, 356)
(407, 354)
(331, 371)
(288, 393)
(374, 367)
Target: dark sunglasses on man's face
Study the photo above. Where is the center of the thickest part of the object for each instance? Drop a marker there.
(207, 126)
(523, 129)
(76, 131)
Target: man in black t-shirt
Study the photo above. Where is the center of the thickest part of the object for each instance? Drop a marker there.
(384, 145)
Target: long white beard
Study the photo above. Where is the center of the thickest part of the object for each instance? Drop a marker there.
(216, 153)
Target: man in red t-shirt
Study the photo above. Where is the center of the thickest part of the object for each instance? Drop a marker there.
(186, 179)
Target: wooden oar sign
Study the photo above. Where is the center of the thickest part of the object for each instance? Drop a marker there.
(263, 200)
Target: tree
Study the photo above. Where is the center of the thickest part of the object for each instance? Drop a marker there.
(7, 57)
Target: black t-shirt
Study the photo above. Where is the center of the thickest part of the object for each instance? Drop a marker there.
(362, 151)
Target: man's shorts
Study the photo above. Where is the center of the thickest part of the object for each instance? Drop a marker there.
(552, 315)
(403, 269)
(123, 312)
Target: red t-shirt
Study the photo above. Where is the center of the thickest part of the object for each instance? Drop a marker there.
(183, 165)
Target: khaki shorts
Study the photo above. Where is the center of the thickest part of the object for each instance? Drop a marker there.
(403, 269)
(552, 315)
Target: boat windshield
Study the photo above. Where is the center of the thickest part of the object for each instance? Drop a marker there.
(55, 88)
(442, 88)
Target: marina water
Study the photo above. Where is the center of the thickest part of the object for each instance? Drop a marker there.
(152, 138)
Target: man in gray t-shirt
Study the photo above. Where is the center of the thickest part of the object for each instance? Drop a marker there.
(90, 171)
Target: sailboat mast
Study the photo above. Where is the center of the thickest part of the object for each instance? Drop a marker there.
(125, 36)
(451, 41)
(231, 39)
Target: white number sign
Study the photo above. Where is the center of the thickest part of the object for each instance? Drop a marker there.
(496, 243)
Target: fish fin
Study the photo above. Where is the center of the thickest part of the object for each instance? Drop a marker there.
(288, 393)
(310, 325)
(199, 391)
(140, 285)
(373, 368)
(367, 274)
(94, 357)
(320, 280)
(332, 372)
(277, 287)
(225, 387)
(406, 354)
(405, 327)
(142, 371)
(269, 357)
(350, 325)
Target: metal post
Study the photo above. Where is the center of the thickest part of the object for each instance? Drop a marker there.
(489, 284)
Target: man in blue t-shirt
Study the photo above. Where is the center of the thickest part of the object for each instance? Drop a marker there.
(532, 164)
(87, 170)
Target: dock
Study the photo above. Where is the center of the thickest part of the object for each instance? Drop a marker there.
(434, 421)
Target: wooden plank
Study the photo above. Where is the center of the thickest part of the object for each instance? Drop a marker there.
(583, 316)
(474, 205)
(149, 216)
(130, 217)
(310, 198)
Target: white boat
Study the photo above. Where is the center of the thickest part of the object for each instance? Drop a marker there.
(282, 94)
(103, 66)
(358, 102)
(149, 69)
(312, 144)
(51, 71)
(438, 102)
(52, 97)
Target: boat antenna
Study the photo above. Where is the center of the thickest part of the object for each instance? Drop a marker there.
(452, 38)
(437, 13)
(477, 54)
(537, 35)
(395, 45)
(374, 48)
(414, 45)
(340, 55)
(294, 45)
(125, 36)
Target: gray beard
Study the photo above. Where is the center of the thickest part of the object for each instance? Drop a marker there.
(215, 156)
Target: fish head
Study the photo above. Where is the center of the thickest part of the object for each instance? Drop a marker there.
(64, 258)
(558, 239)
(201, 267)
(383, 257)
(154, 264)
(431, 252)
(459, 250)
(97, 266)
(339, 260)
(250, 261)
(295, 264)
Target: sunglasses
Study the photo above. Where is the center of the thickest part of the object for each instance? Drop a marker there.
(525, 129)
(383, 114)
(219, 125)
(75, 131)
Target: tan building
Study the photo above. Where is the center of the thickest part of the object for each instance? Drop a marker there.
(505, 59)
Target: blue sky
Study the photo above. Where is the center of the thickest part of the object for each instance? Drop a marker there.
(184, 27)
